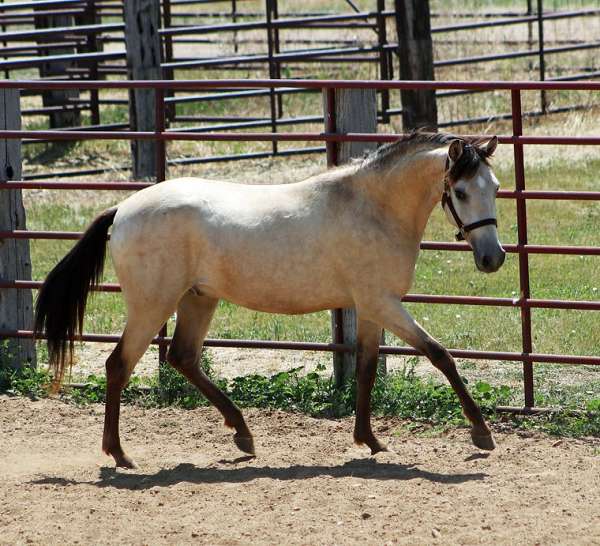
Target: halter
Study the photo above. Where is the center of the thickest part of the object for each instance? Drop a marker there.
(447, 200)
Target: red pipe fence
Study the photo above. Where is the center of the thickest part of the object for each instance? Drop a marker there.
(520, 195)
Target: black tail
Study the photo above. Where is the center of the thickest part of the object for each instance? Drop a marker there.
(62, 298)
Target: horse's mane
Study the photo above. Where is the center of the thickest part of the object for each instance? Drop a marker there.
(468, 163)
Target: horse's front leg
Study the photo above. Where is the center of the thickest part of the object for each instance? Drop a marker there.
(395, 318)
(367, 353)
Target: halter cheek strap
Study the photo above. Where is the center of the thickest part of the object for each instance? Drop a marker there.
(447, 202)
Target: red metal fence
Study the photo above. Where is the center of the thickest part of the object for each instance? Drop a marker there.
(520, 195)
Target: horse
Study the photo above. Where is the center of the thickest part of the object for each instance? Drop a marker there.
(346, 238)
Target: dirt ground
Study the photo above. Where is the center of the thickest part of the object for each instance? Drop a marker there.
(308, 485)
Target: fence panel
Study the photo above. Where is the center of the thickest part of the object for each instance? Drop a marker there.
(521, 195)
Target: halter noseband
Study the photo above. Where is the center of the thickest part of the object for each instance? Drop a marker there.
(447, 200)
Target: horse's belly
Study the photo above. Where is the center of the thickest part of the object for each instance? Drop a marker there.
(287, 305)
(276, 287)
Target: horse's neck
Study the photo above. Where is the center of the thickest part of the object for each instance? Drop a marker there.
(410, 191)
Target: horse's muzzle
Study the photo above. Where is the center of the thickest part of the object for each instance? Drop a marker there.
(487, 252)
(488, 262)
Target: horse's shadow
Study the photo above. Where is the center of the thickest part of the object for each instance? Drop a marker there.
(368, 469)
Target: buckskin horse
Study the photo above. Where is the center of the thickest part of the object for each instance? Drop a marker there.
(348, 237)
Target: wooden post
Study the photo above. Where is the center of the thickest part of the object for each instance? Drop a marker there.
(91, 16)
(16, 306)
(69, 115)
(355, 111)
(142, 21)
(415, 48)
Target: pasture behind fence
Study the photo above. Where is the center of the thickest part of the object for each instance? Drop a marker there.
(521, 195)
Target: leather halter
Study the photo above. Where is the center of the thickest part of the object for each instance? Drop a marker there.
(447, 201)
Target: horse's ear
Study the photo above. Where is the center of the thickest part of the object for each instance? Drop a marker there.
(455, 150)
(490, 147)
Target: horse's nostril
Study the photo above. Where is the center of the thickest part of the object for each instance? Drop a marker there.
(486, 261)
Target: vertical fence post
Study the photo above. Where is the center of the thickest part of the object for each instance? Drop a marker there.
(529, 33)
(5, 56)
(276, 51)
(160, 171)
(517, 126)
(540, 21)
(415, 48)
(272, 48)
(142, 21)
(16, 306)
(91, 16)
(384, 71)
(345, 111)
(69, 114)
(169, 73)
(234, 20)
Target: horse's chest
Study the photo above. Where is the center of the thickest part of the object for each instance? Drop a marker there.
(391, 262)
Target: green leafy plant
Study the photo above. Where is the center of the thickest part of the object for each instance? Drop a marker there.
(25, 382)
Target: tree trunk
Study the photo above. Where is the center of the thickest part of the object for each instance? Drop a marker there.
(16, 306)
(415, 49)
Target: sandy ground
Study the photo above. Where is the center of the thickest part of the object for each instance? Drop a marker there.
(308, 485)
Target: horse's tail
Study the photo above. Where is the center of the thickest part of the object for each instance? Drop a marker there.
(62, 298)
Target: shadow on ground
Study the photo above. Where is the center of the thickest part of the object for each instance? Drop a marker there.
(368, 469)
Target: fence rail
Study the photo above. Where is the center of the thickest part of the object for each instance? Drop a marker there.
(520, 195)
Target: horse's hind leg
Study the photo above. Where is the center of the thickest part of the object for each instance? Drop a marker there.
(369, 336)
(194, 314)
(141, 327)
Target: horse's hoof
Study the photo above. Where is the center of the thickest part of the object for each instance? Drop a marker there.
(483, 441)
(244, 443)
(125, 462)
(373, 443)
(377, 448)
(121, 459)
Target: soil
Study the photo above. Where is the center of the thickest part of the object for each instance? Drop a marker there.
(309, 483)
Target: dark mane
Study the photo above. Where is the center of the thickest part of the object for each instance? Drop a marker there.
(465, 167)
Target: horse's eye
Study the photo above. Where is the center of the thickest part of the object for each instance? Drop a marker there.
(460, 195)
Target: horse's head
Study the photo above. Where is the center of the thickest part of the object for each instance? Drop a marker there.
(469, 200)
